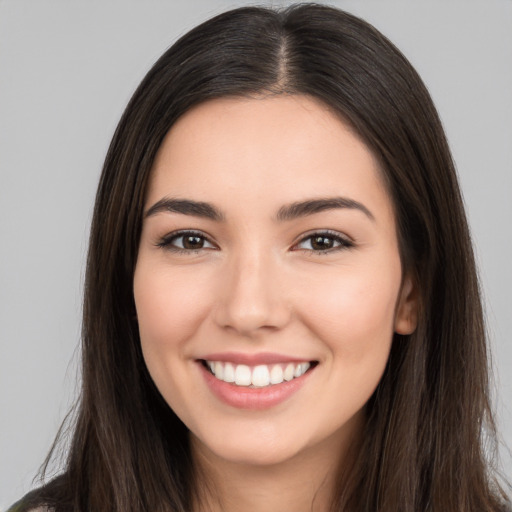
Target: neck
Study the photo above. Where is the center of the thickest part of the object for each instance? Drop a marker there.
(303, 483)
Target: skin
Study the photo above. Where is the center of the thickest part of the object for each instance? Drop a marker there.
(259, 285)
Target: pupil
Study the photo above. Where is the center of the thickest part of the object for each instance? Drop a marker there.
(192, 242)
(322, 242)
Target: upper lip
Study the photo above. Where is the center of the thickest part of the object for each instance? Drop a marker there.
(253, 359)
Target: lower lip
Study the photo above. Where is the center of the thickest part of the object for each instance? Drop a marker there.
(243, 397)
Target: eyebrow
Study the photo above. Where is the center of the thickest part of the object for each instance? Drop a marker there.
(312, 206)
(285, 213)
(186, 207)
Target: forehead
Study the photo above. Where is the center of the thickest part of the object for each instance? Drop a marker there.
(270, 150)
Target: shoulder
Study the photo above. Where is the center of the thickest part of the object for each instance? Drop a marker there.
(27, 505)
(18, 507)
(48, 497)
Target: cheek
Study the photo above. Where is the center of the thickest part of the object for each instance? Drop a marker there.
(354, 321)
(170, 307)
(354, 314)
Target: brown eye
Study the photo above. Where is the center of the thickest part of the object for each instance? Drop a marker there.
(186, 241)
(193, 242)
(324, 242)
(321, 243)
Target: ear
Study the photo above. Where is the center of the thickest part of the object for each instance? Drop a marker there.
(406, 314)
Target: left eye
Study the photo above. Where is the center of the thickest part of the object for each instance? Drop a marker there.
(186, 241)
(323, 242)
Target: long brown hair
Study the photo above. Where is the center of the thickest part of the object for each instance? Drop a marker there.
(423, 447)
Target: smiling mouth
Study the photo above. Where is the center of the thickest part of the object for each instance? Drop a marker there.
(259, 376)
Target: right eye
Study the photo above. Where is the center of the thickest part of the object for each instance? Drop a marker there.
(186, 241)
(324, 242)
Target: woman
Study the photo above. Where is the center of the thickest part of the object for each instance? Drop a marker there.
(281, 305)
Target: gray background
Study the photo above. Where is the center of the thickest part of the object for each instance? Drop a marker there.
(67, 70)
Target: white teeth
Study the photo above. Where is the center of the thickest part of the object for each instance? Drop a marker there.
(229, 373)
(242, 375)
(289, 372)
(276, 375)
(257, 376)
(301, 369)
(219, 370)
(260, 376)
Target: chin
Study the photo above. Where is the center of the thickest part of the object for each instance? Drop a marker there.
(256, 447)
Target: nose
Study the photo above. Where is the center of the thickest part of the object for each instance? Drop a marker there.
(252, 297)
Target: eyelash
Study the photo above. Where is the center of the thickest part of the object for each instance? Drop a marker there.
(343, 243)
(166, 242)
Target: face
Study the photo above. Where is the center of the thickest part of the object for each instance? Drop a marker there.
(268, 283)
